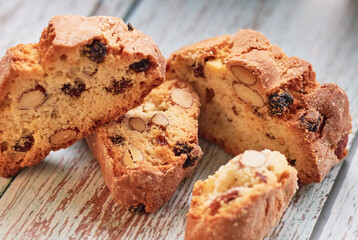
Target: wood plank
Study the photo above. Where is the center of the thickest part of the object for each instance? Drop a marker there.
(339, 216)
(65, 196)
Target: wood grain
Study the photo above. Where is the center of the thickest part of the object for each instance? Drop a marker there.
(65, 197)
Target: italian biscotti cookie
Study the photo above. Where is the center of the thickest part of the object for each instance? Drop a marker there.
(243, 199)
(146, 153)
(82, 73)
(253, 96)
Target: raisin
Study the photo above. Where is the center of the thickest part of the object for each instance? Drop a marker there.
(140, 66)
(137, 208)
(279, 103)
(190, 161)
(120, 86)
(210, 94)
(130, 27)
(198, 70)
(96, 51)
(262, 177)
(312, 121)
(184, 148)
(292, 162)
(161, 140)
(24, 144)
(225, 198)
(120, 119)
(74, 90)
(117, 140)
(341, 147)
(234, 109)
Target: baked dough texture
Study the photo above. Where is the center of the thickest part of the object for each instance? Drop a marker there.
(243, 200)
(82, 73)
(253, 96)
(146, 153)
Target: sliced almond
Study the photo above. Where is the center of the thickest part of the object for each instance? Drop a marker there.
(248, 95)
(160, 119)
(243, 75)
(138, 124)
(182, 98)
(132, 156)
(63, 136)
(32, 99)
(254, 159)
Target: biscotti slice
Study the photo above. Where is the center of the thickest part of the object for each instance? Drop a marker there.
(253, 96)
(243, 199)
(82, 73)
(146, 153)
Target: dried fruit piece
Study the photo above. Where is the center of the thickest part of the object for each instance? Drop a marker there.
(312, 121)
(74, 90)
(96, 51)
(182, 98)
(341, 147)
(120, 86)
(130, 27)
(262, 177)
(32, 98)
(253, 159)
(192, 155)
(210, 94)
(140, 66)
(182, 148)
(279, 103)
(132, 156)
(161, 140)
(24, 144)
(243, 75)
(224, 198)
(160, 120)
(248, 95)
(63, 136)
(198, 70)
(138, 124)
(117, 140)
(137, 208)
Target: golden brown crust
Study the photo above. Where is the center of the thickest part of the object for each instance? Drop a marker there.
(167, 151)
(316, 115)
(61, 48)
(251, 218)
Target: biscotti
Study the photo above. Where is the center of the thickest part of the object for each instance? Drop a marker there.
(253, 96)
(82, 73)
(243, 199)
(146, 153)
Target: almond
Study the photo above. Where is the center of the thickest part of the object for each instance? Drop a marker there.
(137, 123)
(132, 156)
(254, 159)
(248, 95)
(32, 99)
(182, 98)
(160, 120)
(63, 136)
(243, 75)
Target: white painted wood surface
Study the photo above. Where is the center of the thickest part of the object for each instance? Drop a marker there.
(65, 197)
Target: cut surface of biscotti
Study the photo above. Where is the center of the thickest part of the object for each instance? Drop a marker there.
(253, 96)
(146, 153)
(82, 73)
(243, 199)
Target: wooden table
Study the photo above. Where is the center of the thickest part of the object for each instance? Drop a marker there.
(65, 196)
